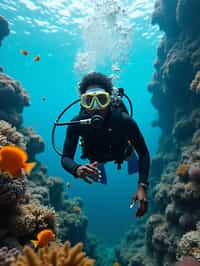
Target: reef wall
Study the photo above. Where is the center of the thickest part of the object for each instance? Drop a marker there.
(31, 203)
(172, 232)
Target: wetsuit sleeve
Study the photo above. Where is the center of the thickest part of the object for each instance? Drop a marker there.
(141, 149)
(69, 149)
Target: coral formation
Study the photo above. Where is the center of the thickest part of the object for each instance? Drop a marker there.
(35, 143)
(31, 218)
(56, 189)
(171, 232)
(7, 256)
(9, 135)
(11, 190)
(55, 254)
(189, 245)
(4, 28)
(13, 99)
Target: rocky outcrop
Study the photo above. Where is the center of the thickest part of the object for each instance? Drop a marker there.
(4, 28)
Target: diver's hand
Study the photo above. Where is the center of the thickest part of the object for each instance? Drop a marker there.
(141, 196)
(88, 172)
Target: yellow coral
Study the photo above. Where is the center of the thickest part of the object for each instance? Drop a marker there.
(55, 254)
(182, 170)
(190, 186)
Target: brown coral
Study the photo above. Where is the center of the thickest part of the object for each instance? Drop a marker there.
(182, 170)
(30, 218)
(9, 135)
(11, 190)
(55, 254)
(13, 99)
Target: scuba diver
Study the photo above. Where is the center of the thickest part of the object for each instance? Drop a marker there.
(112, 136)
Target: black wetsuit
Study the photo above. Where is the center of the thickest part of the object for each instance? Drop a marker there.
(107, 143)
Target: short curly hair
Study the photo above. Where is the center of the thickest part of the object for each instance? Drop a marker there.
(97, 79)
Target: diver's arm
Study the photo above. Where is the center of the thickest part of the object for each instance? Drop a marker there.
(69, 149)
(142, 151)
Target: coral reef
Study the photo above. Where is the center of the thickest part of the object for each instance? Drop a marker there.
(25, 201)
(30, 219)
(55, 254)
(72, 223)
(4, 28)
(189, 245)
(13, 99)
(172, 231)
(56, 191)
(9, 135)
(11, 190)
(7, 256)
(35, 143)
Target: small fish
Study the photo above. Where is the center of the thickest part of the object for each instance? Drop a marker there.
(24, 52)
(43, 238)
(13, 160)
(37, 58)
(68, 184)
(44, 98)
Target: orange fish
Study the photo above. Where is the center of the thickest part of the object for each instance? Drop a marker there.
(37, 58)
(43, 238)
(24, 52)
(13, 160)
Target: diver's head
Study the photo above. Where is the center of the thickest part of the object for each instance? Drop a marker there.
(95, 90)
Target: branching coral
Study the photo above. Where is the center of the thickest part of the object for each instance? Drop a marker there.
(7, 256)
(55, 254)
(11, 190)
(9, 135)
(188, 245)
(31, 218)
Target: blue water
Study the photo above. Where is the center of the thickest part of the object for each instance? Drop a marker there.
(54, 77)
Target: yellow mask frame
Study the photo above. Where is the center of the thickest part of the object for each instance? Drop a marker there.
(101, 98)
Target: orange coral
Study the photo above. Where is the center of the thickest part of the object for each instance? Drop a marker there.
(182, 170)
(55, 254)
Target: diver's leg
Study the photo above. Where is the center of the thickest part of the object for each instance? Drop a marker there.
(103, 179)
(133, 164)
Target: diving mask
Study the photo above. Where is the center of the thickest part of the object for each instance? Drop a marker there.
(95, 99)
